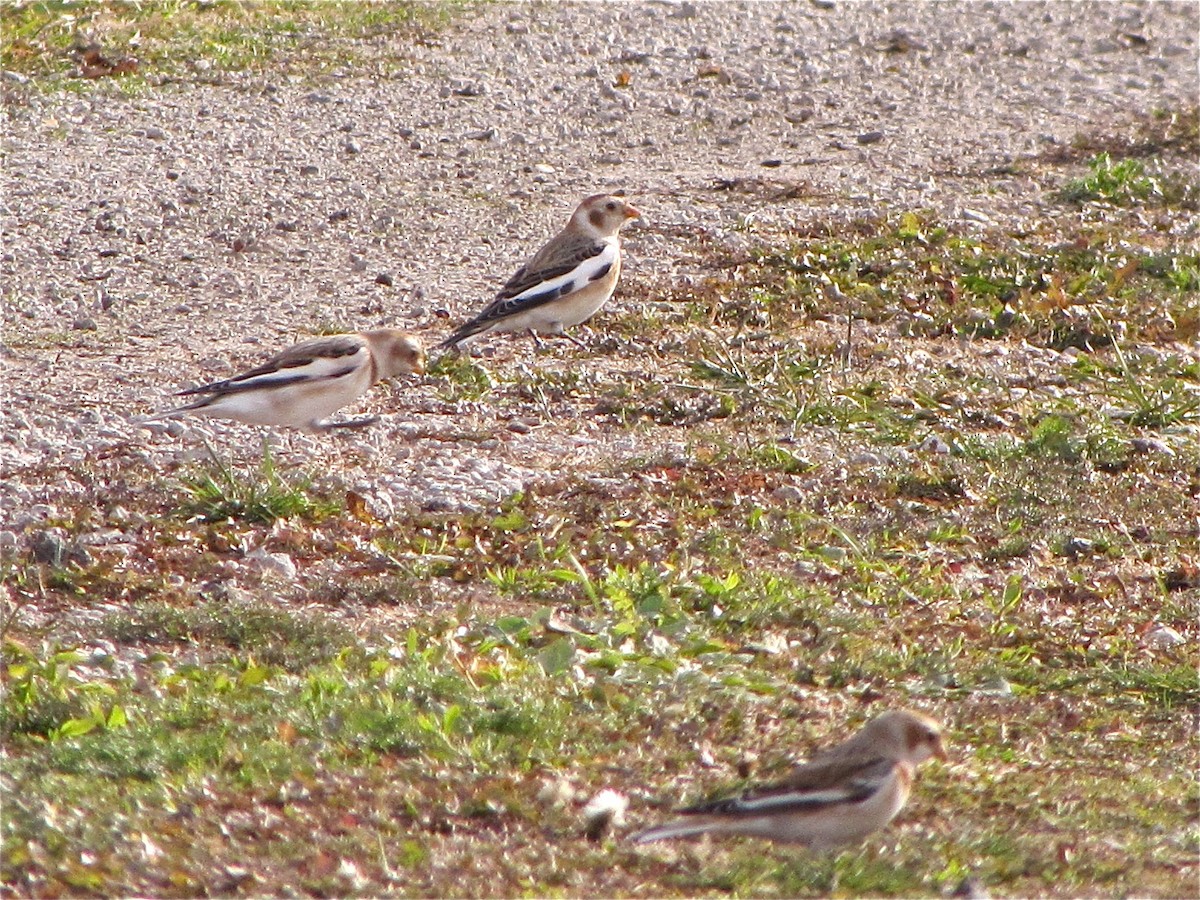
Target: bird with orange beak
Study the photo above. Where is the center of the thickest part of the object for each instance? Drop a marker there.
(565, 283)
(840, 797)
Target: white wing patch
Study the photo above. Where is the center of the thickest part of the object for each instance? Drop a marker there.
(317, 369)
(582, 275)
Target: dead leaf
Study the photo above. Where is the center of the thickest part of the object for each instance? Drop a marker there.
(356, 505)
(320, 865)
(1125, 271)
(94, 64)
(714, 71)
(899, 41)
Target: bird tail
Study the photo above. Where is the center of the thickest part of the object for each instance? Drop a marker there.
(686, 827)
(158, 417)
(178, 411)
(462, 333)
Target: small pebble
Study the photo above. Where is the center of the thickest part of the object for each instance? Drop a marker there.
(1162, 637)
(1151, 445)
(8, 544)
(934, 444)
(1077, 547)
(49, 548)
(278, 565)
(866, 459)
(787, 494)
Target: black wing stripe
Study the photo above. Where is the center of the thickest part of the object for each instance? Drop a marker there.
(295, 357)
(237, 386)
(503, 308)
(522, 281)
(854, 790)
(794, 801)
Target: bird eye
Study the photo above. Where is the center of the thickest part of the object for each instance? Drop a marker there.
(610, 206)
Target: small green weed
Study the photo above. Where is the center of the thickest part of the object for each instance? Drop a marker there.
(1055, 437)
(1122, 182)
(220, 492)
(1128, 182)
(45, 695)
(460, 378)
(1148, 391)
(779, 458)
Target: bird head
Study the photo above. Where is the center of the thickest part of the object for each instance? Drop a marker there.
(603, 215)
(904, 735)
(400, 353)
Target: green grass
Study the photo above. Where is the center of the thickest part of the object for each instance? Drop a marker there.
(1128, 182)
(186, 37)
(1149, 391)
(432, 737)
(460, 378)
(935, 280)
(880, 462)
(270, 635)
(219, 492)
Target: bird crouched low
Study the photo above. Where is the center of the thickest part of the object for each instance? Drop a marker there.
(308, 382)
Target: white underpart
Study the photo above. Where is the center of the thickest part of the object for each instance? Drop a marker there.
(824, 827)
(574, 308)
(301, 403)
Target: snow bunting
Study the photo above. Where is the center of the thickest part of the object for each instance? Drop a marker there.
(563, 284)
(307, 382)
(840, 797)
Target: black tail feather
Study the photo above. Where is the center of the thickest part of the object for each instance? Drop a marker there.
(463, 332)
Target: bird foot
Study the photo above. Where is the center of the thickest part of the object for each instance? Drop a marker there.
(363, 422)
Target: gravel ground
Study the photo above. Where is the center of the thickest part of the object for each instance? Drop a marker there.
(175, 235)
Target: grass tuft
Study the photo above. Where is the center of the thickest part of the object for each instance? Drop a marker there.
(220, 493)
(1129, 182)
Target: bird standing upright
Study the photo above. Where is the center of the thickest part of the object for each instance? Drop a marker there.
(840, 797)
(309, 381)
(566, 282)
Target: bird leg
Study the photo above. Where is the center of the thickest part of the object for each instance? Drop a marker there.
(363, 422)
